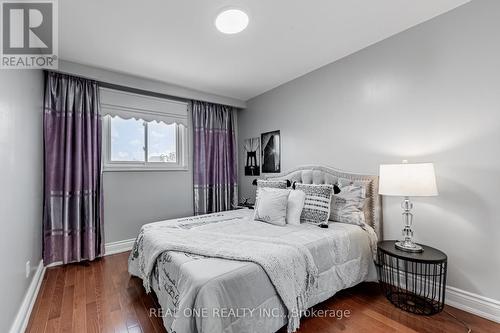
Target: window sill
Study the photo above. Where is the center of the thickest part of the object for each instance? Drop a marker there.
(139, 168)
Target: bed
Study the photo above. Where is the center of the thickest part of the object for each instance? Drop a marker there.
(234, 291)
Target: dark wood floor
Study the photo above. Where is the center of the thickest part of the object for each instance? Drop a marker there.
(102, 297)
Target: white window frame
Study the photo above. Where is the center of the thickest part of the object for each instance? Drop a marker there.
(182, 144)
(181, 152)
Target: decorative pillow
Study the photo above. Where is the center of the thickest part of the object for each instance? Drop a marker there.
(317, 202)
(294, 207)
(271, 205)
(347, 206)
(262, 183)
(271, 183)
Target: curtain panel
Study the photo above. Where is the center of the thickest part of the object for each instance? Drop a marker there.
(215, 157)
(72, 220)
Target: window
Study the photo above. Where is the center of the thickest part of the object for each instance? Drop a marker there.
(127, 140)
(162, 142)
(139, 144)
(139, 133)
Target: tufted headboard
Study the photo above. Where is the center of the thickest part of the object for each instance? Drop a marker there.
(312, 174)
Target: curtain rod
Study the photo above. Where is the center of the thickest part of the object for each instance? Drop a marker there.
(105, 84)
(123, 88)
(146, 85)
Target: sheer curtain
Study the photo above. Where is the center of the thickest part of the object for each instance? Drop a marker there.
(72, 221)
(215, 157)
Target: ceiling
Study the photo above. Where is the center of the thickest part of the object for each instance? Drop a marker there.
(176, 41)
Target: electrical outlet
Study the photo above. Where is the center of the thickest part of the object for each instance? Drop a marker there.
(28, 269)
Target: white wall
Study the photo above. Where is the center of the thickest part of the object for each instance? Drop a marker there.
(431, 93)
(21, 169)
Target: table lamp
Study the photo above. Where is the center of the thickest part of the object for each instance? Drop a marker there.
(408, 180)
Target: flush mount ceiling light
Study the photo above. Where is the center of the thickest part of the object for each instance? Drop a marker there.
(231, 21)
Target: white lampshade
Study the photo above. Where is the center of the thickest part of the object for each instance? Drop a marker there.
(408, 180)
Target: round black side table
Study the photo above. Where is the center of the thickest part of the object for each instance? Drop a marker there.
(414, 282)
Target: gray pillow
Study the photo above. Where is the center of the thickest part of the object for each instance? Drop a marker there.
(317, 203)
(263, 183)
(271, 183)
(347, 206)
(271, 205)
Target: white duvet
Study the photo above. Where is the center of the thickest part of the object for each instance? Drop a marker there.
(203, 294)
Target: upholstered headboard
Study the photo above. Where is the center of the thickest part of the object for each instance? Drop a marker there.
(313, 174)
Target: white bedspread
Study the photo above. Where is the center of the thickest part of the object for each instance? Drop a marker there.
(203, 294)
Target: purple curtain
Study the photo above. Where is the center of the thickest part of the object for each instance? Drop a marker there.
(72, 219)
(215, 168)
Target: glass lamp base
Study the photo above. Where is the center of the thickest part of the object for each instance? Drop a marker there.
(408, 247)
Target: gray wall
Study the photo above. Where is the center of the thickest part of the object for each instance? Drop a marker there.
(431, 93)
(21, 98)
(159, 87)
(134, 198)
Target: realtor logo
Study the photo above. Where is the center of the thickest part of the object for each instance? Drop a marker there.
(29, 34)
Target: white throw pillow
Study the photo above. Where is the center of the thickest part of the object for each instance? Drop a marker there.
(347, 206)
(294, 207)
(271, 205)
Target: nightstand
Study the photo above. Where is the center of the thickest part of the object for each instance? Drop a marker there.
(414, 282)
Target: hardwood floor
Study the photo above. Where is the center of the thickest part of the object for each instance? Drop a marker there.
(102, 297)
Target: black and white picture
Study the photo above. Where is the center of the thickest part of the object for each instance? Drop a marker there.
(252, 153)
(271, 152)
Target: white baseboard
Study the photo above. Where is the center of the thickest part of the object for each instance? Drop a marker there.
(118, 247)
(476, 304)
(54, 264)
(23, 314)
(109, 248)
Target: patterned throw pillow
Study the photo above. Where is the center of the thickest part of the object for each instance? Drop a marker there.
(262, 183)
(271, 183)
(317, 203)
(347, 206)
(271, 206)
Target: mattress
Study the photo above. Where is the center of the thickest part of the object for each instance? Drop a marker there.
(213, 295)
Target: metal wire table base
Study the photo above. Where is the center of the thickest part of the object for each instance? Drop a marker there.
(411, 282)
(411, 302)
